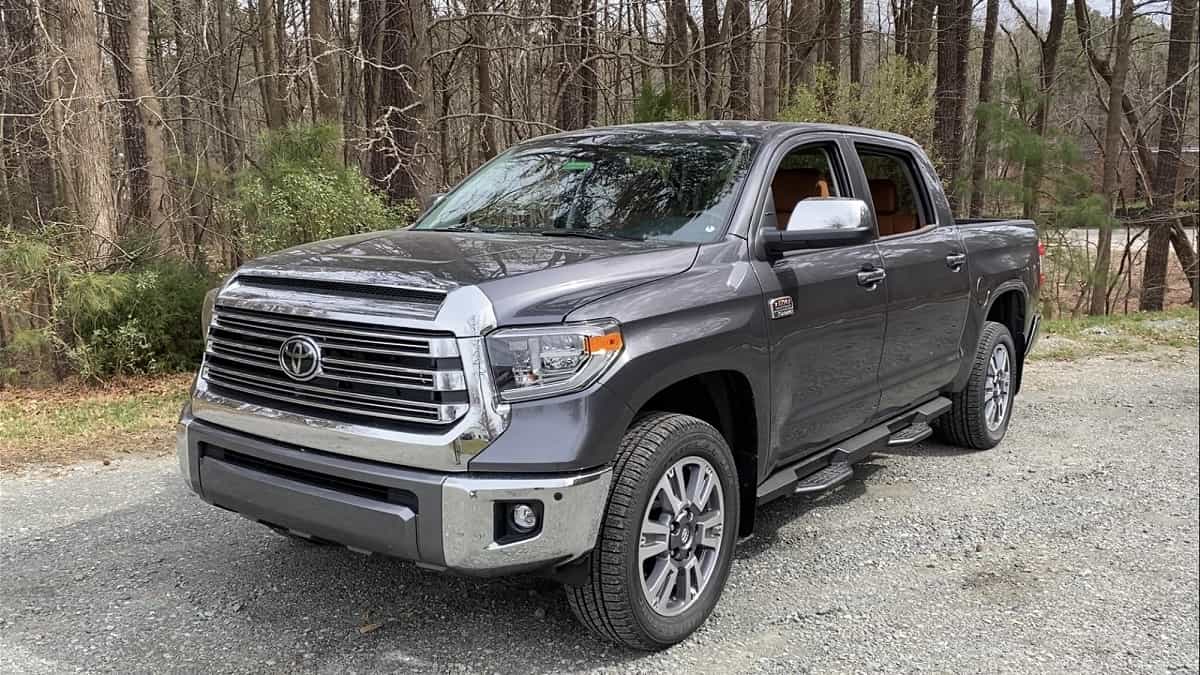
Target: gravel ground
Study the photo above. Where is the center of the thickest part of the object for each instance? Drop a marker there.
(1071, 547)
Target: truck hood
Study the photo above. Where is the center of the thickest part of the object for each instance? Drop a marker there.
(529, 279)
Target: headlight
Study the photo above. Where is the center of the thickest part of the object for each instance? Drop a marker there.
(206, 310)
(532, 363)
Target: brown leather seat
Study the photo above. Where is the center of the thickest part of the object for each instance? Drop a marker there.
(883, 194)
(792, 185)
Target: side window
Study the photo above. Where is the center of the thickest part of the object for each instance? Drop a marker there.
(805, 172)
(894, 192)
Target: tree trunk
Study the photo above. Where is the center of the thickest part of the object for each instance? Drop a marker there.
(739, 59)
(323, 50)
(856, 40)
(677, 48)
(483, 81)
(273, 104)
(919, 44)
(1122, 46)
(711, 20)
(1166, 169)
(979, 162)
(392, 155)
(950, 91)
(86, 134)
(133, 129)
(1031, 178)
(831, 35)
(158, 178)
(770, 102)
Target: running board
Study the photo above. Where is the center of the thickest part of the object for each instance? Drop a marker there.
(833, 466)
(910, 435)
(826, 479)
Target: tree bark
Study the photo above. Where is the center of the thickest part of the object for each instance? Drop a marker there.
(856, 40)
(831, 35)
(1122, 46)
(90, 176)
(739, 59)
(483, 81)
(274, 104)
(133, 131)
(711, 20)
(950, 92)
(392, 154)
(773, 37)
(158, 178)
(1031, 177)
(1166, 169)
(323, 50)
(987, 59)
(919, 44)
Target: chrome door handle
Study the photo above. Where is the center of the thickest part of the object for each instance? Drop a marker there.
(955, 261)
(869, 279)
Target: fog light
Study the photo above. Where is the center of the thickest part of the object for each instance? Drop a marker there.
(523, 517)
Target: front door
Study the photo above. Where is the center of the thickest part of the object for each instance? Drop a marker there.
(825, 329)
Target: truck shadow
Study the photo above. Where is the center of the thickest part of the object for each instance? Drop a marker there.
(170, 583)
(771, 517)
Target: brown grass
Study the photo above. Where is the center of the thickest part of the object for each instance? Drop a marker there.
(72, 422)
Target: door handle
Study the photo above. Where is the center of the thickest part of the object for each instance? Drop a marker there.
(869, 279)
(955, 261)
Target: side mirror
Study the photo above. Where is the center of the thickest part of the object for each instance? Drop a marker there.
(821, 222)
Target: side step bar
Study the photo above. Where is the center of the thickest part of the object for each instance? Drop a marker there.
(826, 479)
(833, 466)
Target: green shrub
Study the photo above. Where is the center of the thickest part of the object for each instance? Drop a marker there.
(145, 321)
(300, 191)
(98, 324)
(897, 97)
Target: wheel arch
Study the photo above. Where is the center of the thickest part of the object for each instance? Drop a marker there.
(726, 400)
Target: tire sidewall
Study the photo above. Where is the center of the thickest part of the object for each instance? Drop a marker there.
(700, 440)
(999, 336)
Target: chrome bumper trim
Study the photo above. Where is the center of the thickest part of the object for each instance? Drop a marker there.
(572, 509)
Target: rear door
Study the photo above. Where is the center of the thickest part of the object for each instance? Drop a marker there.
(825, 330)
(927, 286)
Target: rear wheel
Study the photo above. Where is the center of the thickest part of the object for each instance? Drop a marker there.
(980, 412)
(666, 541)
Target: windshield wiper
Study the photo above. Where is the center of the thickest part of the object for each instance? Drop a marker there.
(587, 234)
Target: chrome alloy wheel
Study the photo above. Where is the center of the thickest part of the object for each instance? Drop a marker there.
(681, 535)
(997, 388)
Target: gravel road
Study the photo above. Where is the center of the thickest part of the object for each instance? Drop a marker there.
(1071, 547)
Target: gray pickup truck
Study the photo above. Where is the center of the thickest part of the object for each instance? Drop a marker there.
(602, 350)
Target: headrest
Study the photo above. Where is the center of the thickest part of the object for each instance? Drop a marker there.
(792, 185)
(883, 193)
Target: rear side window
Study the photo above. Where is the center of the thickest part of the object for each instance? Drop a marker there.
(895, 192)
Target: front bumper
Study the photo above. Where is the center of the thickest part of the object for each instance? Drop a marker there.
(441, 520)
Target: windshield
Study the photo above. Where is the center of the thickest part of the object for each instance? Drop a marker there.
(660, 187)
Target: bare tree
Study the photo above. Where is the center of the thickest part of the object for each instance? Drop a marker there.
(1122, 46)
(986, 62)
(771, 57)
(86, 134)
(1166, 169)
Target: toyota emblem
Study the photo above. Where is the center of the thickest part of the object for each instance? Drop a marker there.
(300, 358)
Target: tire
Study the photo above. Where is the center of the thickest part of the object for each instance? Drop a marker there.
(613, 602)
(971, 421)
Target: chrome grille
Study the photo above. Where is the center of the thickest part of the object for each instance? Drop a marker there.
(368, 373)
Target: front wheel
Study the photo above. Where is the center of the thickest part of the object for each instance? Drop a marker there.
(666, 541)
(979, 415)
